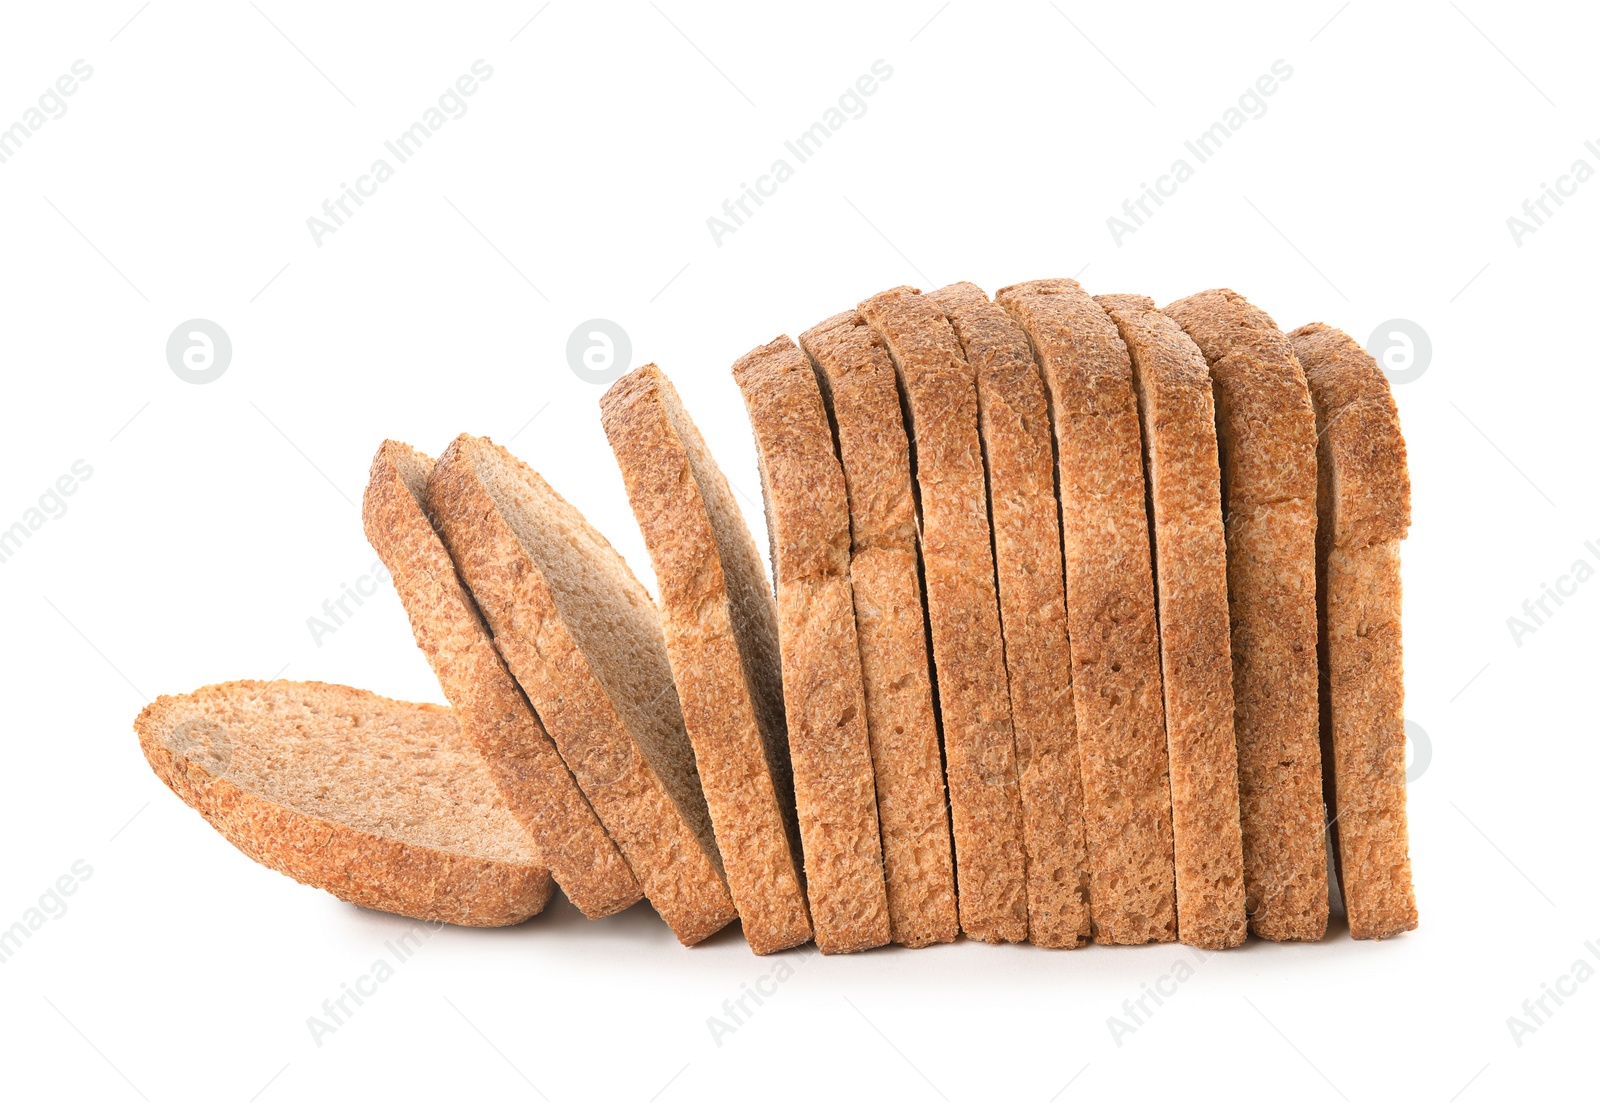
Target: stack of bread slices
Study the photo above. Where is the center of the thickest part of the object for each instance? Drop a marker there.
(1083, 625)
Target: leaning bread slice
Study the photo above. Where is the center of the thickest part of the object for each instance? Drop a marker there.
(582, 637)
(940, 397)
(722, 640)
(1266, 439)
(808, 526)
(1363, 512)
(1116, 666)
(1014, 419)
(1191, 565)
(378, 802)
(495, 716)
(863, 402)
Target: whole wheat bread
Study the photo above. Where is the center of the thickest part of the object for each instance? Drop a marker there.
(583, 638)
(721, 631)
(494, 715)
(1116, 667)
(863, 402)
(808, 526)
(1363, 512)
(380, 803)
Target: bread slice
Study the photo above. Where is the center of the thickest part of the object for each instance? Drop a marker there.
(1363, 512)
(722, 640)
(863, 403)
(939, 394)
(808, 525)
(1111, 617)
(378, 802)
(1173, 387)
(582, 637)
(1266, 441)
(1014, 421)
(494, 715)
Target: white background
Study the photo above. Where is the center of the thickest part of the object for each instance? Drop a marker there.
(219, 518)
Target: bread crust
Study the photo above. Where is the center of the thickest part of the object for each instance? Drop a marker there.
(808, 523)
(723, 649)
(360, 867)
(1267, 448)
(939, 393)
(493, 713)
(1110, 609)
(1019, 457)
(863, 402)
(1364, 511)
(1173, 388)
(646, 794)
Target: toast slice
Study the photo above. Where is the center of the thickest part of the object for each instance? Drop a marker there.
(1363, 512)
(1111, 617)
(721, 631)
(494, 715)
(808, 525)
(1014, 422)
(1266, 442)
(583, 638)
(380, 803)
(1173, 387)
(939, 395)
(863, 404)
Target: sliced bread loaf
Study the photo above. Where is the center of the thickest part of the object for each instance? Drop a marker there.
(583, 638)
(863, 403)
(721, 631)
(378, 802)
(808, 526)
(1266, 440)
(494, 715)
(1363, 512)
(1111, 615)
(1014, 420)
(1191, 563)
(939, 394)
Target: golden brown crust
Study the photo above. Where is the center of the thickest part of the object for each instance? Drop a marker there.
(939, 393)
(494, 715)
(1173, 388)
(1364, 508)
(808, 521)
(1110, 609)
(1266, 442)
(719, 648)
(649, 801)
(1014, 420)
(361, 867)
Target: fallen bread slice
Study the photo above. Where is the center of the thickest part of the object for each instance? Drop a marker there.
(1014, 421)
(494, 715)
(808, 525)
(1111, 617)
(1266, 442)
(939, 393)
(380, 803)
(722, 640)
(1173, 387)
(582, 637)
(863, 401)
(1363, 512)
